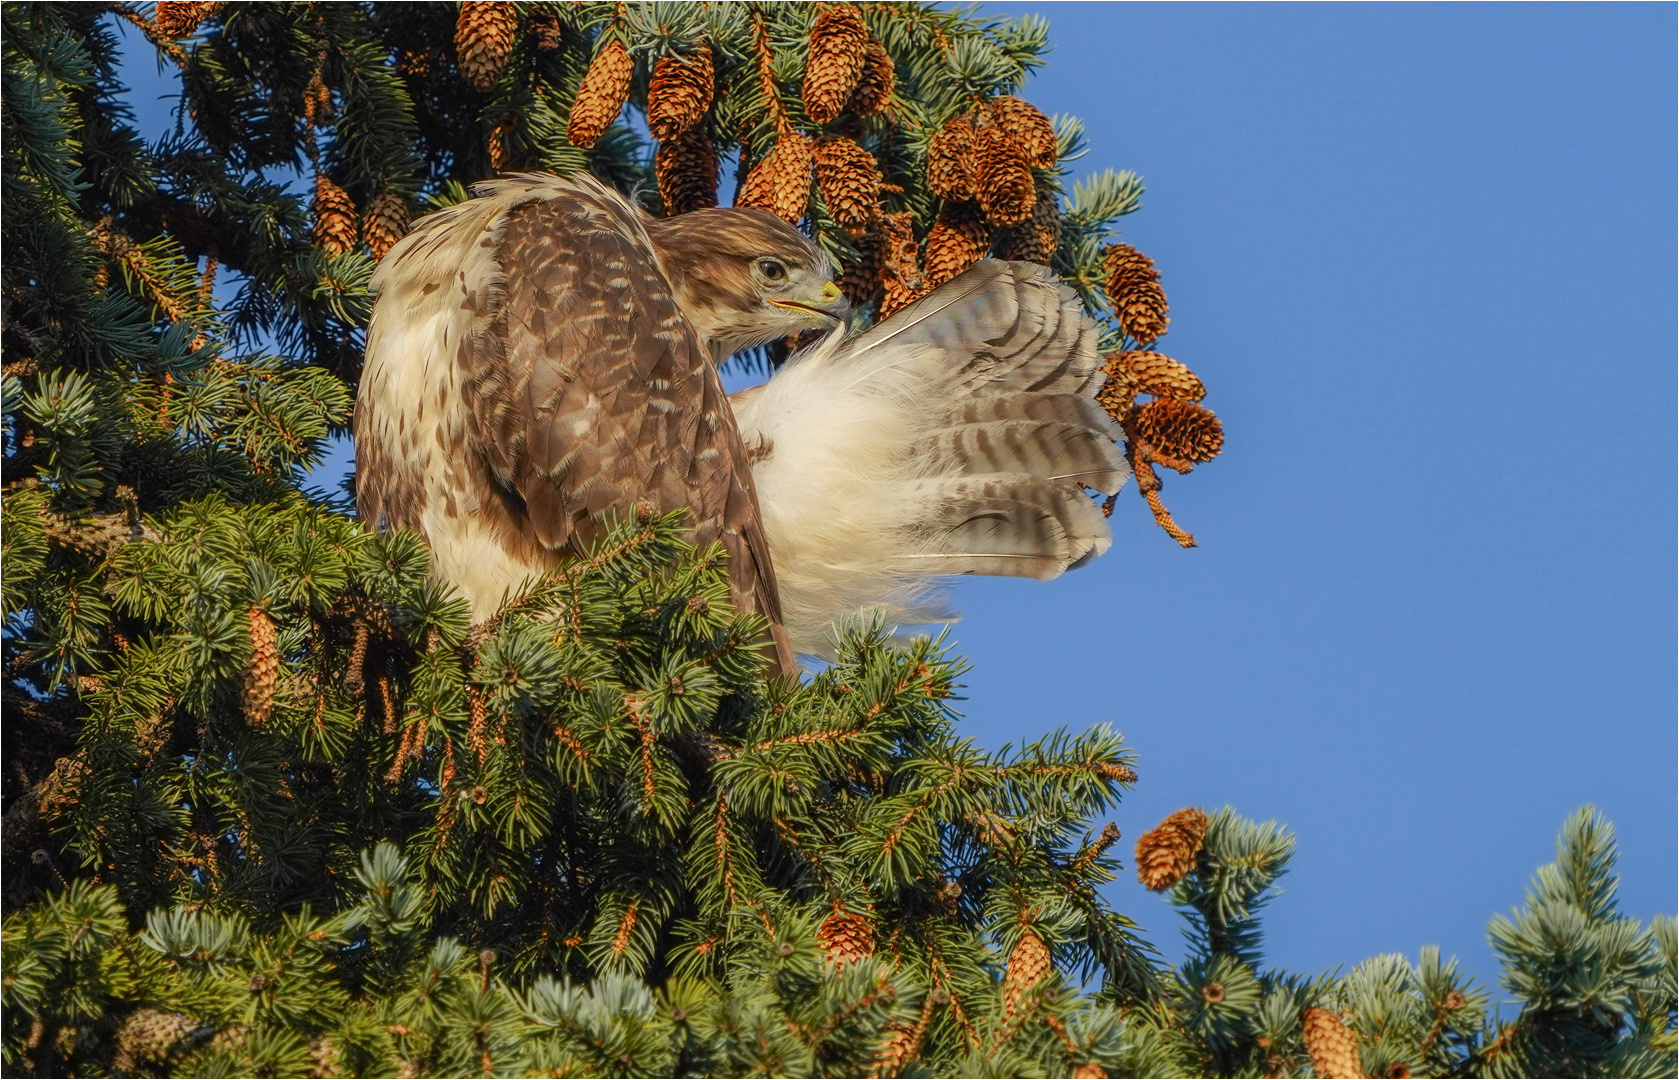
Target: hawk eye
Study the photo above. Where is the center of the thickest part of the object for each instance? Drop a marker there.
(772, 269)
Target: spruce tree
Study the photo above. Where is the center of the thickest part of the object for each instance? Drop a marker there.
(274, 807)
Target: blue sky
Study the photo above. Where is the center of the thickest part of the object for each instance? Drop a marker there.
(1424, 258)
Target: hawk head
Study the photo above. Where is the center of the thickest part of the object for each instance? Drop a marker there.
(743, 277)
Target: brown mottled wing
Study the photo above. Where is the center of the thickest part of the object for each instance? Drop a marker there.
(590, 391)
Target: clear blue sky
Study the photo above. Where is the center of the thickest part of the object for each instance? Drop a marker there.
(1424, 258)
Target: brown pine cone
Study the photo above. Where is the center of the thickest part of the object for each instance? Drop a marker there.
(900, 270)
(386, 222)
(846, 938)
(1180, 429)
(602, 94)
(1035, 239)
(262, 674)
(686, 167)
(1160, 375)
(1332, 1044)
(1139, 302)
(959, 238)
(496, 147)
(838, 53)
(484, 33)
(860, 280)
(147, 1037)
(1090, 1071)
(1168, 851)
(547, 31)
(176, 19)
(680, 92)
(1029, 963)
(1002, 179)
(950, 160)
(1027, 127)
(874, 87)
(780, 183)
(335, 217)
(849, 178)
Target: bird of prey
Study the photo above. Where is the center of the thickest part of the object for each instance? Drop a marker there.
(544, 357)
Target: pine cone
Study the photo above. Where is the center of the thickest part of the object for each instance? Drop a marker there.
(849, 178)
(686, 167)
(1167, 852)
(601, 97)
(1134, 288)
(484, 33)
(1180, 429)
(263, 672)
(1035, 239)
(950, 160)
(959, 238)
(838, 53)
(547, 30)
(860, 280)
(781, 182)
(1160, 375)
(1028, 128)
(846, 938)
(874, 87)
(1090, 1071)
(146, 1037)
(335, 217)
(1332, 1045)
(900, 270)
(496, 147)
(386, 223)
(1029, 963)
(680, 93)
(1002, 179)
(176, 19)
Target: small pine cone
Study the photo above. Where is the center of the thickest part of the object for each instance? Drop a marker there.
(781, 182)
(860, 281)
(546, 29)
(386, 223)
(484, 33)
(1167, 852)
(602, 95)
(680, 93)
(1035, 239)
(1160, 375)
(686, 167)
(874, 87)
(900, 268)
(335, 217)
(1002, 179)
(1090, 1071)
(846, 938)
(1134, 288)
(1180, 429)
(950, 160)
(839, 45)
(262, 674)
(1027, 127)
(959, 238)
(176, 19)
(1029, 963)
(850, 180)
(497, 148)
(146, 1038)
(1332, 1044)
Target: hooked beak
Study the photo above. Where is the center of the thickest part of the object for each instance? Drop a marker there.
(833, 306)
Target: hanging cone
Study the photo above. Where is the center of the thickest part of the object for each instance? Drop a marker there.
(1090, 1071)
(1181, 430)
(335, 217)
(1332, 1045)
(900, 270)
(874, 87)
(1035, 239)
(547, 31)
(175, 19)
(959, 238)
(496, 147)
(1029, 963)
(386, 223)
(1027, 127)
(680, 92)
(1002, 179)
(262, 674)
(1133, 286)
(860, 281)
(780, 183)
(846, 938)
(601, 97)
(838, 53)
(1160, 375)
(484, 33)
(849, 178)
(1168, 851)
(903, 1044)
(686, 167)
(950, 160)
